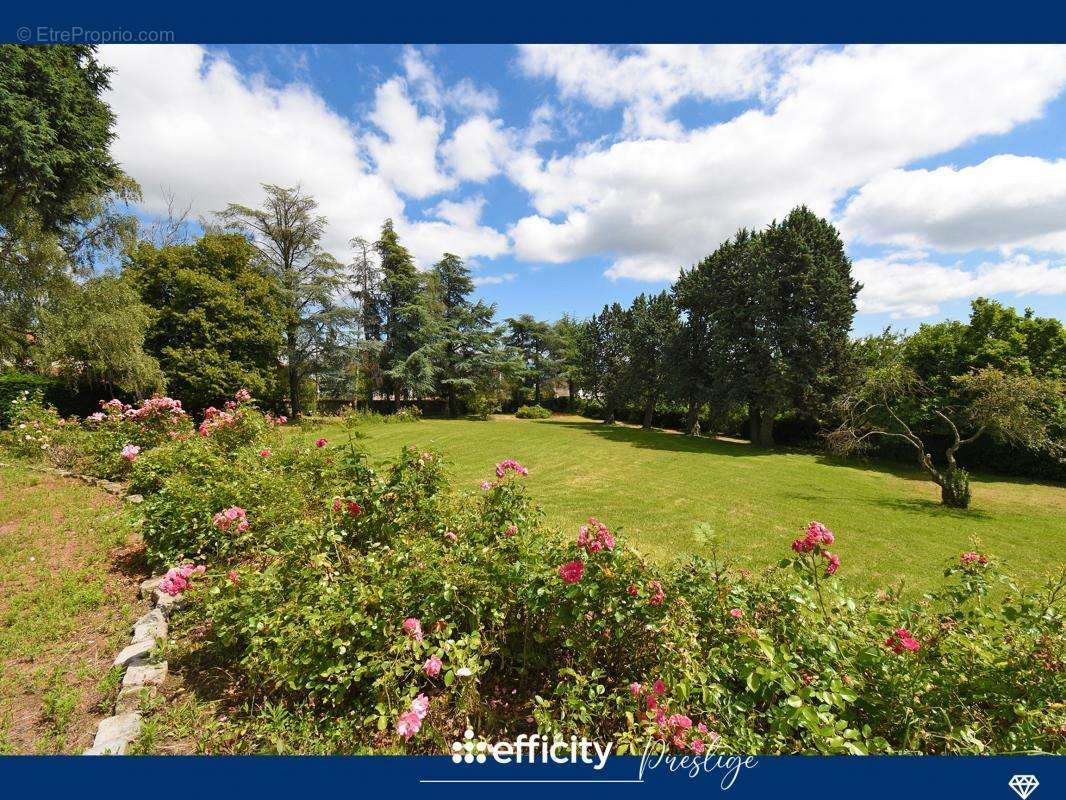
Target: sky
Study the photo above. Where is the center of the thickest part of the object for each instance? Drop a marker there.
(569, 176)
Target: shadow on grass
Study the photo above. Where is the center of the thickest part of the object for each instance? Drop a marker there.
(662, 440)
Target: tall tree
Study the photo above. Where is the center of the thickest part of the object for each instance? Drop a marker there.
(605, 358)
(218, 320)
(468, 353)
(776, 307)
(716, 301)
(568, 331)
(287, 234)
(367, 294)
(55, 134)
(410, 321)
(653, 331)
(535, 343)
(63, 199)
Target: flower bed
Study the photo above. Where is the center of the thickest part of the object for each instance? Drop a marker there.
(405, 611)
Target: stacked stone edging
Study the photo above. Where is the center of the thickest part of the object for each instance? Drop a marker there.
(111, 487)
(142, 676)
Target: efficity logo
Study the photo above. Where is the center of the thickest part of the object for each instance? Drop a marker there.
(531, 749)
(1023, 785)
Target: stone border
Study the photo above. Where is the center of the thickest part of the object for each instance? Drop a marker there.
(111, 487)
(142, 677)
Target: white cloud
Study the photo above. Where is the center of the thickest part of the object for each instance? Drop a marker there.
(190, 122)
(649, 80)
(478, 149)
(835, 120)
(916, 288)
(457, 230)
(464, 95)
(407, 158)
(1004, 202)
(494, 280)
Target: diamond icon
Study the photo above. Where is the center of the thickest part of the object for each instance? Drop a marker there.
(1023, 785)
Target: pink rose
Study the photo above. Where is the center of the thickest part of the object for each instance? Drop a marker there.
(736, 613)
(320, 443)
(432, 666)
(420, 705)
(408, 724)
(264, 453)
(130, 451)
(635, 688)
(413, 628)
(572, 571)
(659, 687)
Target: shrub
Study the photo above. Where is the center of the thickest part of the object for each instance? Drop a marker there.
(532, 412)
(411, 413)
(14, 385)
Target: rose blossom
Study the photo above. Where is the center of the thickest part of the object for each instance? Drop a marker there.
(572, 571)
(432, 666)
(413, 628)
(320, 443)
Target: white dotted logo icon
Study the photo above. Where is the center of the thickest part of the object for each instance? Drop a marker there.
(468, 750)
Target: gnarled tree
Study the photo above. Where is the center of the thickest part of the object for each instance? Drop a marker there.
(1012, 407)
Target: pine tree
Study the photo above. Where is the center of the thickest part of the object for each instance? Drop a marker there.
(469, 356)
(410, 324)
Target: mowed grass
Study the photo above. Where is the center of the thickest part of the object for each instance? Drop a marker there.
(653, 486)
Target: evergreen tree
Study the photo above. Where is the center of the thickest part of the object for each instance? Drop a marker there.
(605, 358)
(772, 312)
(536, 345)
(653, 331)
(410, 324)
(469, 356)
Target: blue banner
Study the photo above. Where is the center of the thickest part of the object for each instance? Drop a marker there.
(548, 21)
(795, 777)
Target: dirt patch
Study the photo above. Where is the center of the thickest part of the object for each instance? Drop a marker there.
(72, 568)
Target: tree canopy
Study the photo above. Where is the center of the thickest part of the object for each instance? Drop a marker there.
(218, 319)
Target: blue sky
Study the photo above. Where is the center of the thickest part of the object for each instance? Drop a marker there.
(572, 176)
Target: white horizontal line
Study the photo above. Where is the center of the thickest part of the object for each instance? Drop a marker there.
(532, 780)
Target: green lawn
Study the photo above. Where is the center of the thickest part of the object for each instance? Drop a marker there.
(652, 486)
(69, 569)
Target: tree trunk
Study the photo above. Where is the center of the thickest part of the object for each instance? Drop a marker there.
(608, 414)
(294, 373)
(692, 418)
(649, 411)
(754, 417)
(955, 488)
(766, 429)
